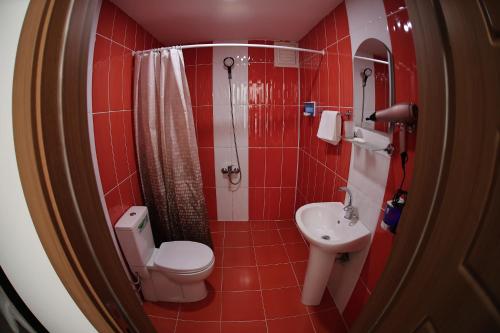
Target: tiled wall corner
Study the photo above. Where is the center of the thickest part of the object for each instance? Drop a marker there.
(112, 115)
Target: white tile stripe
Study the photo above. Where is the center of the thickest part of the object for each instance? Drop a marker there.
(231, 205)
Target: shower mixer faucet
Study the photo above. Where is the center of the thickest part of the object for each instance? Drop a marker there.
(230, 170)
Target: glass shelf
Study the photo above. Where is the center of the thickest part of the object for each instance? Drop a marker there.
(377, 143)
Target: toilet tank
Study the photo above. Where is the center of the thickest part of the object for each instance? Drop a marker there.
(133, 231)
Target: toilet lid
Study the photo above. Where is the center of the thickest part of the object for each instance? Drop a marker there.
(183, 256)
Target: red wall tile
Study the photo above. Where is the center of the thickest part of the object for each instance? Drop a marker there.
(100, 70)
(356, 303)
(289, 167)
(112, 85)
(207, 165)
(104, 151)
(204, 56)
(271, 203)
(256, 54)
(198, 64)
(380, 250)
(256, 203)
(274, 132)
(273, 94)
(392, 6)
(114, 205)
(341, 21)
(204, 126)
(106, 18)
(211, 202)
(116, 77)
(273, 167)
(257, 125)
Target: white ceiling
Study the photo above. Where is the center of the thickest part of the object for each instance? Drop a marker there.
(189, 21)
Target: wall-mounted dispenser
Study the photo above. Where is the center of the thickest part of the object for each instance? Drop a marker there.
(393, 211)
(309, 109)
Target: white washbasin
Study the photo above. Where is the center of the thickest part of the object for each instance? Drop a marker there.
(328, 232)
(323, 224)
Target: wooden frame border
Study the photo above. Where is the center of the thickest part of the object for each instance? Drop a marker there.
(53, 152)
(55, 164)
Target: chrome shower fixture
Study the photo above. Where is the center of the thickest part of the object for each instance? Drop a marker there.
(231, 170)
(229, 63)
(365, 74)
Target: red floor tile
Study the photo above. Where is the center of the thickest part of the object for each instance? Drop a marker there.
(239, 256)
(247, 298)
(277, 276)
(301, 324)
(217, 239)
(266, 237)
(283, 302)
(244, 327)
(238, 238)
(241, 306)
(237, 226)
(196, 326)
(300, 268)
(214, 281)
(328, 321)
(297, 251)
(163, 325)
(291, 236)
(161, 309)
(240, 279)
(207, 309)
(273, 254)
(287, 224)
(263, 225)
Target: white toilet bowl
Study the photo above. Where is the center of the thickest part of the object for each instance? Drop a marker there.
(175, 272)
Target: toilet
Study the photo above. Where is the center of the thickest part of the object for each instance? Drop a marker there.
(175, 272)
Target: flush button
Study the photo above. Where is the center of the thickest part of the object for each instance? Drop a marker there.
(133, 214)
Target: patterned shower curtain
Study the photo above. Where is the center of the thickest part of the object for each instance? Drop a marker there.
(167, 150)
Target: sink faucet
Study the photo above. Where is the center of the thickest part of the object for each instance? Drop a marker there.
(351, 213)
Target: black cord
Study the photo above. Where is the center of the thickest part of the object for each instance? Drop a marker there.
(404, 159)
(400, 192)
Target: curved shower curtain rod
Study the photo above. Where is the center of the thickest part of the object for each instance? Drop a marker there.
(192, 46)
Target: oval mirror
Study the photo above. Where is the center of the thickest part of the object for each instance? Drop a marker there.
(373, 83)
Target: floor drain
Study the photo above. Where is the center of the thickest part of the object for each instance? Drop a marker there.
(325, 237)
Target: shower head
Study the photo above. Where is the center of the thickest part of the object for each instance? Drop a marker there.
(365, 74)
(228, 63)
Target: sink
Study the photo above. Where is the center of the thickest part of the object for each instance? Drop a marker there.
(328, 232)
(323, 225)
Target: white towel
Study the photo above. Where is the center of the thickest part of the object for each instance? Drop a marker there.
(330, 127)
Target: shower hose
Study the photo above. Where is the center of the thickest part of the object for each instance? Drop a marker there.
(234, 137)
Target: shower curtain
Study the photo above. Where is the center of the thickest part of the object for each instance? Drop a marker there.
(167, 151)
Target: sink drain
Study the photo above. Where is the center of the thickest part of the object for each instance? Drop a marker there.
(326, 237)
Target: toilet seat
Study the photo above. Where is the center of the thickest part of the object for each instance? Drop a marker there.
(183, 257)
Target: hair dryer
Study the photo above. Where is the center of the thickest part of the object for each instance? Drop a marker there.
(405, 114)
(399, 113)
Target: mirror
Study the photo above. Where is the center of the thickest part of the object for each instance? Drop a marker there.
(373, 82)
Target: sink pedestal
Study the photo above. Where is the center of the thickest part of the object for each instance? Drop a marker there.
(318, 272)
